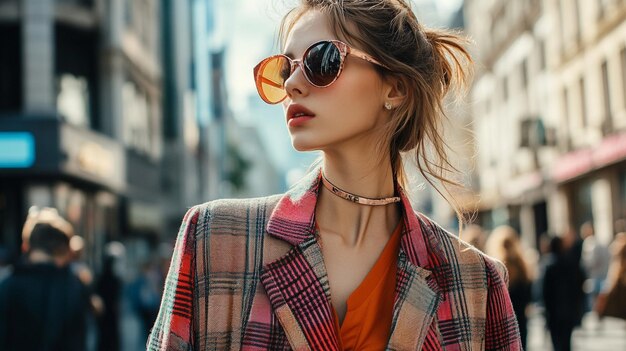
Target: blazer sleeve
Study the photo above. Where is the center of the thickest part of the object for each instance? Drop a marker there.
(173, 329)
(501, 328)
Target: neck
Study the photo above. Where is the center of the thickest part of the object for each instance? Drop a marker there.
(359, 176)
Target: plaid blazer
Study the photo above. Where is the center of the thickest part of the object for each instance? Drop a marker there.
(249, 274)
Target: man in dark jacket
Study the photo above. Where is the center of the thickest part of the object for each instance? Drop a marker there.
(563, 295)
(42, 304)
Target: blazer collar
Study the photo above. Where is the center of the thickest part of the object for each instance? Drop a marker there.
(293, 220)
(297, 283)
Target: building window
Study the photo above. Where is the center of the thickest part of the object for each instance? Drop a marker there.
(136, 116)
(542, 55)
(562, 27)
(76, 75)
(577, 24)
(73, 100)
(566, 118)
(622, 54)
(606, 93)
(566, 105)
(603, 6)
(505, 89)
(583, 105)
(141, 19)
(128, 13)
(524, 73)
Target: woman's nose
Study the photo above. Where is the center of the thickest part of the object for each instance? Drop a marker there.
(296, 84)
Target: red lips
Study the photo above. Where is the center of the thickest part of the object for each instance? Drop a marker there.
(296, 110)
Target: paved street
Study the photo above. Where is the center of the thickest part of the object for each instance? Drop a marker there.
(608, 335)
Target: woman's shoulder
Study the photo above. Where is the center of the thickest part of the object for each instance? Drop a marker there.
(233, 207)
(226, 220)
(460, 252)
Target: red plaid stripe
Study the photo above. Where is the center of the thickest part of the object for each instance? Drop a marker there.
(292, 281)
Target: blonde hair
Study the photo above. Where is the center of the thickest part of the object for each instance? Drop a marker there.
(504, 244)
(45, 215)
(429, 63)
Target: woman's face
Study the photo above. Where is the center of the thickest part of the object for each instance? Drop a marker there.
(348, 112)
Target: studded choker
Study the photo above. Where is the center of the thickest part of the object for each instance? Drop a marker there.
(356, 198)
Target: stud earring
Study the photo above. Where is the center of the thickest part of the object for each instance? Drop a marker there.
(388, 105)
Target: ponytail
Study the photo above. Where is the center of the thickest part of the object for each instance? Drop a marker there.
(449, 57)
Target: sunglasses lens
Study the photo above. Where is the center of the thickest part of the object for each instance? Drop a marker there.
(270, 76)
(322, 63)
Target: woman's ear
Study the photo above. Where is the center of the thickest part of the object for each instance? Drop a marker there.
(394, 91)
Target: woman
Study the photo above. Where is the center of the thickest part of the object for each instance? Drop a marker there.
(504, 244)
(612, 301)
(341, 261)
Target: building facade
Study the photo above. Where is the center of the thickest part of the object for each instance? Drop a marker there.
(92, 115)
(549, 106)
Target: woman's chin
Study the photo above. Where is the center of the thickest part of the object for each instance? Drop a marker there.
(304, 145)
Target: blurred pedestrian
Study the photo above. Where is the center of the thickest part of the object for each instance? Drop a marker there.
(83, 272)
(145, 294)
(5, 264)
(504, 244)
(572, 252)
(43, 304)
(562, 294)
(612, 301)
(572, 245)
(595, 260)
(109, 288)
(364, 82)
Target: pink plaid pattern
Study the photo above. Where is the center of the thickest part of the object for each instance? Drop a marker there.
(257, 281)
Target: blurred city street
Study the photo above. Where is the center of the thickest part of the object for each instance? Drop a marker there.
(117, 116)
(609, 335)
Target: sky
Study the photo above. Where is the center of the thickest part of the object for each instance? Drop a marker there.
(248, 29)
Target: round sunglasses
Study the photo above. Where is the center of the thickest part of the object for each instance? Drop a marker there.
(321, 64)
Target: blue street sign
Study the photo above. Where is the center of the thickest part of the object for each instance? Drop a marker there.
(17, 150)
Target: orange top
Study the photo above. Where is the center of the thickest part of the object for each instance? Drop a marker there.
(367, 323)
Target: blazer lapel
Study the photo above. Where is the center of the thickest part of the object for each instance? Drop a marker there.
(297, 283)
(418, 293)
(416, 302)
